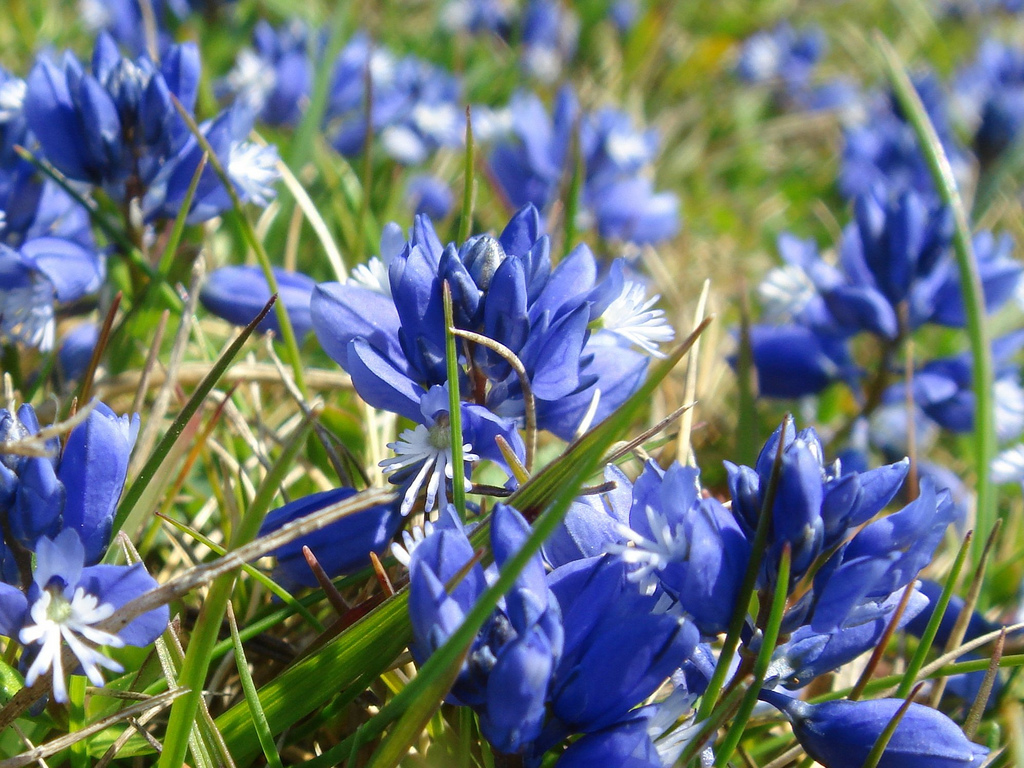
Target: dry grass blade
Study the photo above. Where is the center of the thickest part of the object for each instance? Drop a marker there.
(981, 700)
(190, 374)
(683, 455)
(151, 357)
(147, 438)
(35, 445)
(63, 742)
(956, 636)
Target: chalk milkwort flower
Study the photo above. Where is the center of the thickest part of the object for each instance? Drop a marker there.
(59, 507)
(840, 734)
(115, 126)
(576, 344)
(619, 199)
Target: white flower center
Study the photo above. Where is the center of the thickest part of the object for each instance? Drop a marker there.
(373, 275)
(1009, 407)
(631, 317)
(666, 545)
(26, 314)
(55, 617)
(254, 169)
(12, 99)
(784, 293)
(1008, 466)
(252, 78)
(627, 148)
(431, 447)
(411, 539)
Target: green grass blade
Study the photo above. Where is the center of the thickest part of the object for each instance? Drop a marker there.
(251, 698)
(875, 755)
(973, 294)
(454, 406)
(204, 638)
(932, 628)
(171, 248)
(272, 586)
(469, 183)
(413, 720)
(209, 381)
(252, 239)
(764, 658)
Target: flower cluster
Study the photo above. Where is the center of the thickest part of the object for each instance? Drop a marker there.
(641, 576)
(57, 505)
(535, 162)
(896, 273)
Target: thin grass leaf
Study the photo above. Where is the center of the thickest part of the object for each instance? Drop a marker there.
(149, 469)
(963, 619)
(254, 242)
(575, 193)
(316, 221)
(413, 720)
(871, 761)
(272, 586)
(63, 742)
(249, 690)
(469, 183)
(757, 550)
(204, 638)
(981, 700)
(761, 663)
(928, 636)
(971, 288)
(171, 248)
(454, 406)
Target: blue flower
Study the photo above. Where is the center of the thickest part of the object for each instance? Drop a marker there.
(569, 332)
(882, 150)
(689, 546)
(415, 108)
(506, 675)
(549, 36)
(840, 734)
(251, 168)
(424, 454)
(64, 603)
(76, 350)
(77, 487)
(625, 745)
(782, 53)
(114, 126)
(989, 93)
(237, 294)
(13, 126)
(815, 504)
(430, 196)
(533, 163)
(342, 547)
(477, 16)
(43, 272)
(592, 523)
(274, 78)
(808, 654)
(619, 646)
(794, 360)
(943, 389)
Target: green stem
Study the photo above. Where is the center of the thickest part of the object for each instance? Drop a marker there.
(971, 288)
(757, 550)
(454, 407)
